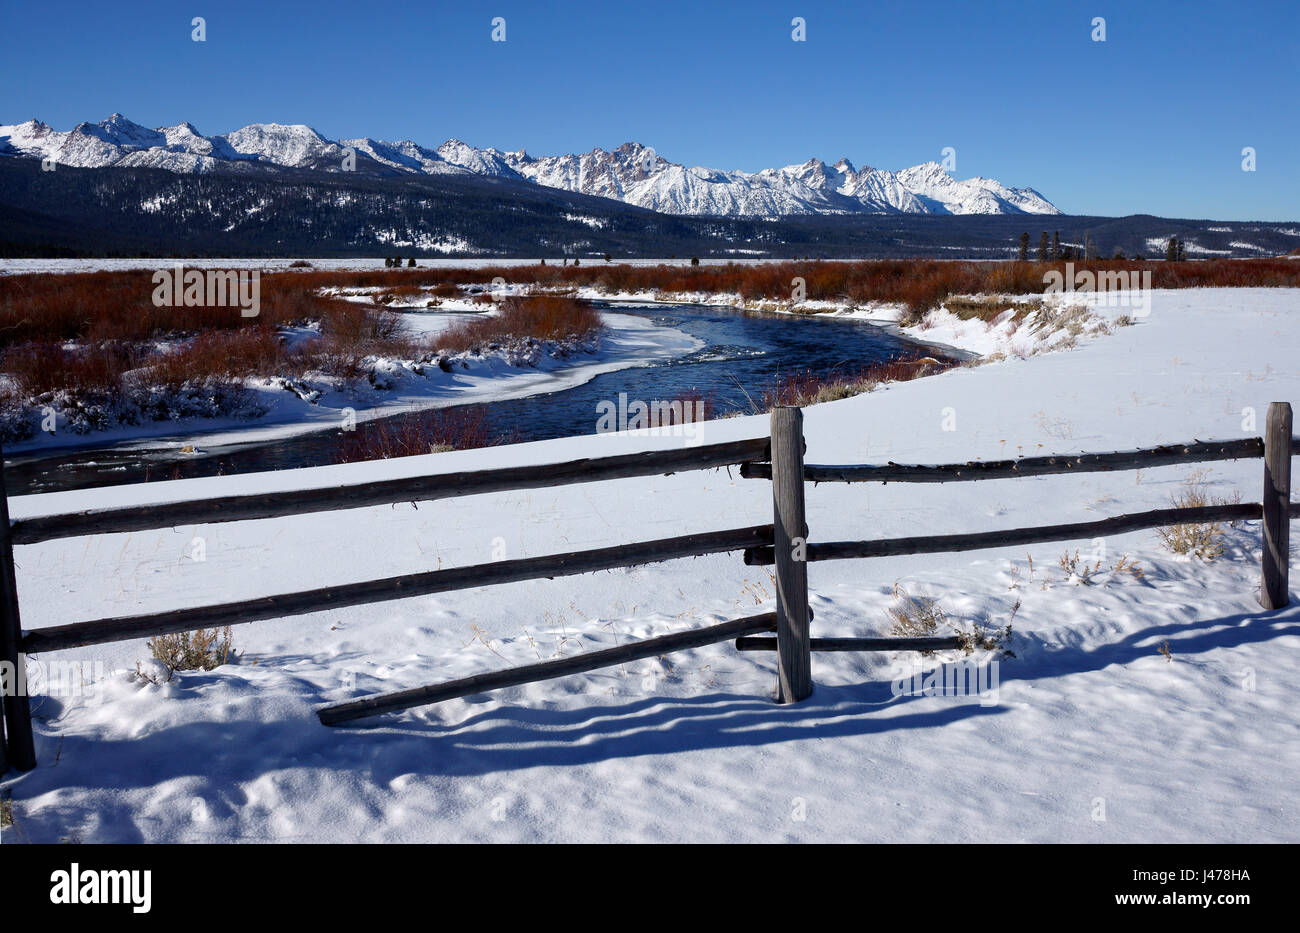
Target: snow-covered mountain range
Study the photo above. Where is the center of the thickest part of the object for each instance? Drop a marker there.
(632, 173)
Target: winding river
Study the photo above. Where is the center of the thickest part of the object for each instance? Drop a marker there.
(743, 353)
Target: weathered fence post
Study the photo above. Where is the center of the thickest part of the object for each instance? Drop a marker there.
(790, 532)
(1277, 506)
(20, 748)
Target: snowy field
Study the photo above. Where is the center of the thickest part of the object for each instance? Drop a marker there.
(1094, 734)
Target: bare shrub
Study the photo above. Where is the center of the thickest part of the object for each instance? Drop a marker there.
(982, 636)
(1125, 566)
(1196, 539)
(914, 616)
(202, 650)
(1079, 571)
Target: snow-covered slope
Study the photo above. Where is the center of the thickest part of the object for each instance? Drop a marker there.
(119, 141)
(404, 155)
(487, 162)
(973, 196)
(632, 173)
(296, 146)
(636, 174)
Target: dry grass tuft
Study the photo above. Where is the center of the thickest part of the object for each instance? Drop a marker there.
(1196, 539)
(1079, 571)
(202, 650)
(987, 308)
(914, 616)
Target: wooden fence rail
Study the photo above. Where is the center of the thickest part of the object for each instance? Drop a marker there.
(408, 489)
(1167, 455)
(935, 643)
(19, 746)
(939, 544)
(123, 628)
(784, 543)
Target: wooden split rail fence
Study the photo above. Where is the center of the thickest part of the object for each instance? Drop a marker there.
(784, 543)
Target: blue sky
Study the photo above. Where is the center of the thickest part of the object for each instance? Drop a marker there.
(1153, 120)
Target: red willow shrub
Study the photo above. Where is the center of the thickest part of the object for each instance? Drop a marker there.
(97, 306)
(226, 355)
(918, 283)
(458, 428)
(115, 328)
(47, 366)
(544, 317)
(118, 305)
(103, 367)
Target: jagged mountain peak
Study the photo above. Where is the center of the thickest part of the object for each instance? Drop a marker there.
(632, 172)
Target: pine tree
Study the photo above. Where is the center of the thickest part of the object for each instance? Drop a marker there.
(1024, 246)
(1171, 250)
(1042, 247)
(410, 263)
(1056, 245)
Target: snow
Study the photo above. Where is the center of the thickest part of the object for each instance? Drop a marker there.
(633, 173)
(1089, 719)
(487, 162)
(423, 241)
(595, 223)
(1158, 244)
(809, 188)
(295, 145)
(404, 155)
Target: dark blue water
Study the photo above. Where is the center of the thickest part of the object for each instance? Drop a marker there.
(745, 353)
